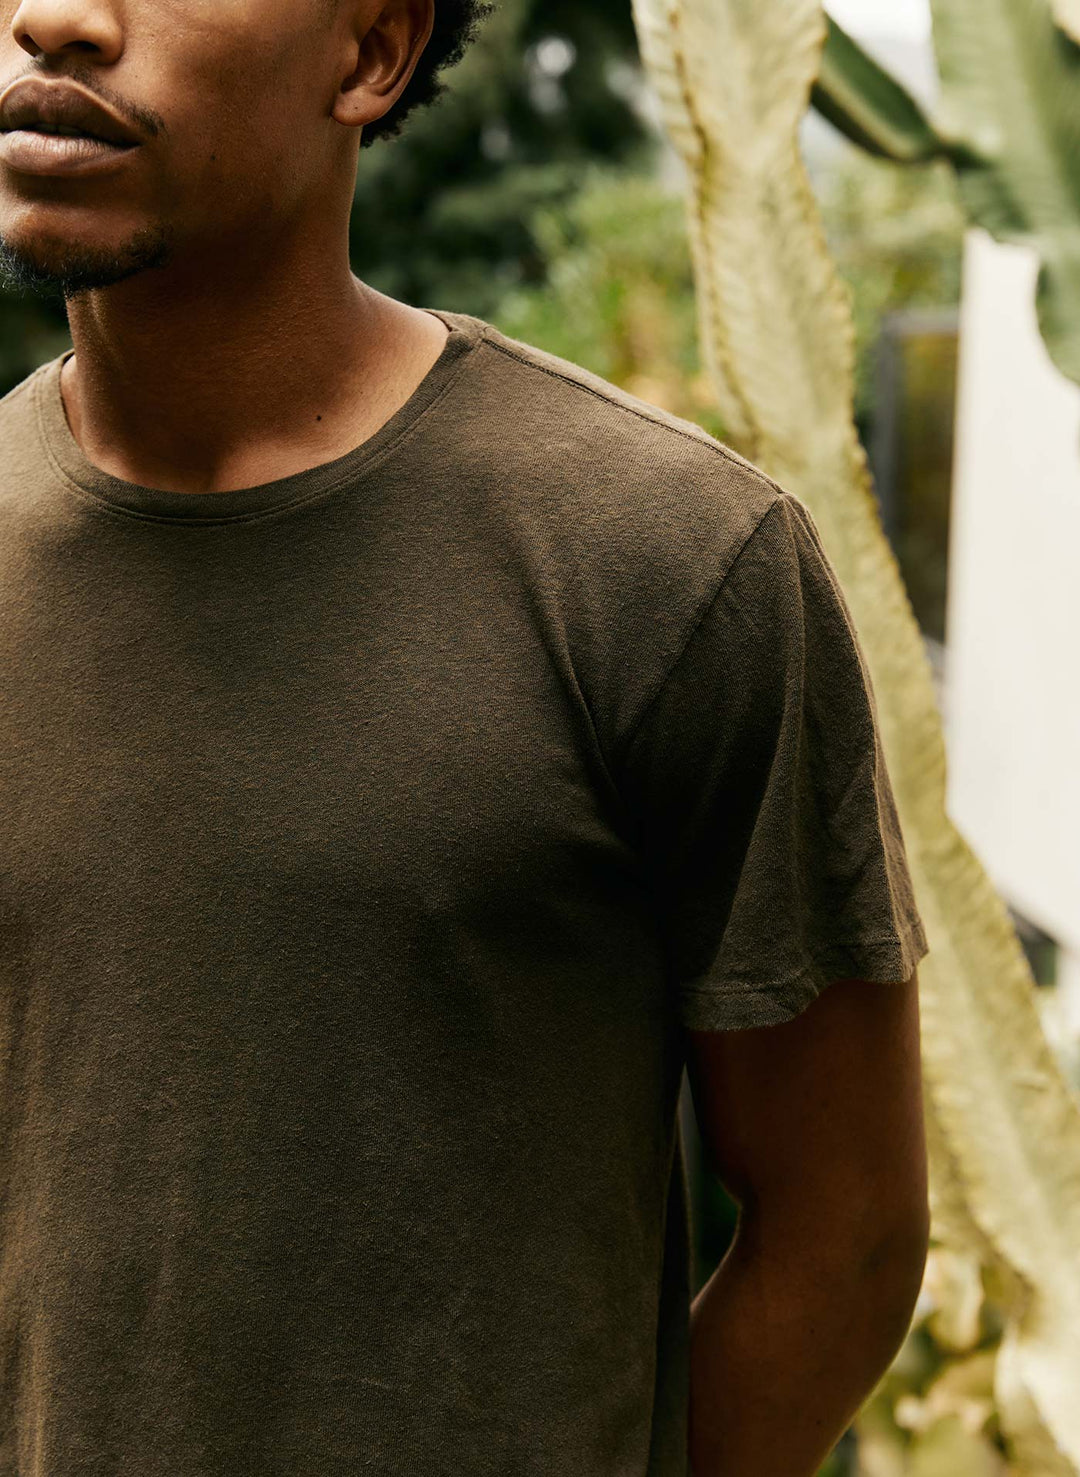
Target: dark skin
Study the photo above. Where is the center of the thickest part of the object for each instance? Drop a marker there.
(221, 338)
(816, 1128)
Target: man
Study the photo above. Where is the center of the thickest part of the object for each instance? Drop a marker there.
(414, 751)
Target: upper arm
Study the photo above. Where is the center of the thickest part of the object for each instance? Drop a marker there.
(823, 1111)
(764, 809)
(763, 805)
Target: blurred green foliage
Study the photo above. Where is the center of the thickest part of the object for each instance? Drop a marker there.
(619, 294)
(446, 215)
(896, 238)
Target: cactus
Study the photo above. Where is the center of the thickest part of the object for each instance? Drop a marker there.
(734, 78)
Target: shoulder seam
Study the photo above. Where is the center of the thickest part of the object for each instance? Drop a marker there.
(709, 443)
(636, 726)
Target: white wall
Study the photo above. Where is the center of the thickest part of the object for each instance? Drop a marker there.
(1012, 705)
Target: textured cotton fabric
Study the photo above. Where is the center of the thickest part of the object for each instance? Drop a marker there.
(370, 838)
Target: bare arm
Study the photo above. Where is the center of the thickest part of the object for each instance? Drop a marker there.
(815, 1127)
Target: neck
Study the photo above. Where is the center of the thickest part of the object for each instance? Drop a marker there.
(211, 385)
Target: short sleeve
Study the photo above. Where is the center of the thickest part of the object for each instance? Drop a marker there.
(760, 797)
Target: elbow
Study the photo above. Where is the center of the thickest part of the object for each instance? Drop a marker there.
(894, 1268)
(903, 1247)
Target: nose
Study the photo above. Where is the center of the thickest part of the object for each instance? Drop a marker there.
(65, 27)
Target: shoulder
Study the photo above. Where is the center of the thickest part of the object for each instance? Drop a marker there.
(15, 405)
(23, 458)
(630, 515)
(640, 457)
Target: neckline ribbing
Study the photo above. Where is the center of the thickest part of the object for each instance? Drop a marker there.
(132, 498)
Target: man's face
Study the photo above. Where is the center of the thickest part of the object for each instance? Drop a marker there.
(232, 101)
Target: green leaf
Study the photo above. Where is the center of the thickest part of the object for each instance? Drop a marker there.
(1010, 107)
(869, 106)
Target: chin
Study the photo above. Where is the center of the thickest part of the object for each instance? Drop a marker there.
(54, 265)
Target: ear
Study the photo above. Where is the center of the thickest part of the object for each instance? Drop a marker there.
(388, 47)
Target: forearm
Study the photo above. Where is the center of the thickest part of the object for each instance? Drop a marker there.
(787, 1341)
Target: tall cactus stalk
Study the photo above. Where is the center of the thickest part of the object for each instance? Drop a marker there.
(734, 78)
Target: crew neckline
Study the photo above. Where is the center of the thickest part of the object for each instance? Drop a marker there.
(202, 508)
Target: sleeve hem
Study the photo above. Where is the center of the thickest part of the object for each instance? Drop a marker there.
(736, 1005)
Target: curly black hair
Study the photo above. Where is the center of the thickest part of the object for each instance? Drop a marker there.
(455, 28)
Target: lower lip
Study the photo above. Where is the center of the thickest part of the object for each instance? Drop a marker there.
(52, 153)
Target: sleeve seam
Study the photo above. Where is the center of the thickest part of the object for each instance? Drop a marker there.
(636, 726)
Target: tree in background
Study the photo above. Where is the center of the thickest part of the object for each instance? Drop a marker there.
(446, 215)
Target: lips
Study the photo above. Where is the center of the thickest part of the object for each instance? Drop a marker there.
(35, 105)
(42, 130)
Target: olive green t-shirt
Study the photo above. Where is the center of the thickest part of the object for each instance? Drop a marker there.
(370, 837)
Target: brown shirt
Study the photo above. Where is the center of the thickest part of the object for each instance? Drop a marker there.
(370, 836)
